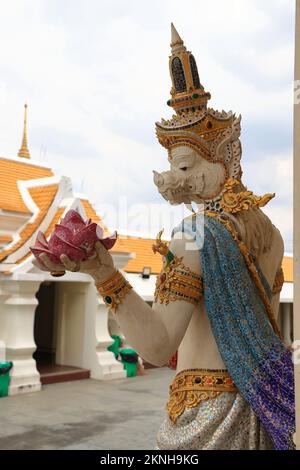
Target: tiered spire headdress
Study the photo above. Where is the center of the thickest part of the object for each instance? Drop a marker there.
(214, 135)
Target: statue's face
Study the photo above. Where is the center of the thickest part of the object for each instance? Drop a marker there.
(190, 178)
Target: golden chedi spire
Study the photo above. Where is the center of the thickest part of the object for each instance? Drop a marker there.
(24, 152)
(187, 91)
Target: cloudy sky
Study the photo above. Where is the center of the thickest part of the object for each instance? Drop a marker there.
(95, 75)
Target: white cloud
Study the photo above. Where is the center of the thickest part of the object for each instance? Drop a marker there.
(274, 174)
(282, 217)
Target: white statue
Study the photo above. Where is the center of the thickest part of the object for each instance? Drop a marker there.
(215, 303)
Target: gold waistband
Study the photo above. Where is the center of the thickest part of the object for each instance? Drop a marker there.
(190, 387)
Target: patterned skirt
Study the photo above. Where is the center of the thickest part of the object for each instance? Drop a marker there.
(203, 416)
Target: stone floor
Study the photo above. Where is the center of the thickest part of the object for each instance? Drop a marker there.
(87, 414)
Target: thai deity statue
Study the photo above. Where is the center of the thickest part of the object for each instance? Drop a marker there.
(214, 317)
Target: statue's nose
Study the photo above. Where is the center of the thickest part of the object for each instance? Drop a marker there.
(158, 179)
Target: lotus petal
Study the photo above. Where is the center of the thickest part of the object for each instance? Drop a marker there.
(73, 220)
(41, 240)
(73, 237)
(109, 242)
(87, 234)
(58, 246)
(63, 232)
(38, 251)
(99, 232)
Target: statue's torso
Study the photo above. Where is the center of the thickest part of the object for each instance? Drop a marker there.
(198, 348)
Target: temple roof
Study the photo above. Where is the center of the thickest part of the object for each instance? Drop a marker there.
(43, 197)
(287, 266)
(11, 172)
(144, 256)
(31, 194)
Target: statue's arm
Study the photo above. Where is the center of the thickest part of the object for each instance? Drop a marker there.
(157, 332)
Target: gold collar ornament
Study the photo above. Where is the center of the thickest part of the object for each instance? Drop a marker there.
(234, 202)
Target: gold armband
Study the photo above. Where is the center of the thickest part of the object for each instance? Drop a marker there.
(178, 282)
(113, 290)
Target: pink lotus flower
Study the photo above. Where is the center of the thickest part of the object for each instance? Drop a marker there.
(72, 237)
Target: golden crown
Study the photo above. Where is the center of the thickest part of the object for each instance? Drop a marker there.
(214, 135)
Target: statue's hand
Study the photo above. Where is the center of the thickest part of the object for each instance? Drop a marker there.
(99, 265)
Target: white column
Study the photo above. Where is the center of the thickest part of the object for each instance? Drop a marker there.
(297, 220)
(108, 367)
(286, 323)
(3, 297)
(20, 306)
(82, 333)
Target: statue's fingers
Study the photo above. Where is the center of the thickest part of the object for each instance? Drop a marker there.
(68, 263)
(102, 252)
(46, 261)
(100, 248)
(39, 265)
(49, 264)
(93, 256)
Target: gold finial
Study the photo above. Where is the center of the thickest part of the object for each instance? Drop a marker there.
(176, 41)
(24, 152)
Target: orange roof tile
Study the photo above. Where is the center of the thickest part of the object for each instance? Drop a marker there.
(6, 238)
(92, 214)
(287, 266)
(12, 171)
(43, 199)
(54, 221)
(142, 248)
(145, 257)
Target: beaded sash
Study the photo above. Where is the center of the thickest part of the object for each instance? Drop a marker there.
(190, 387)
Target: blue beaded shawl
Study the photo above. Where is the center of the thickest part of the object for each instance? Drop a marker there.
(257, 360)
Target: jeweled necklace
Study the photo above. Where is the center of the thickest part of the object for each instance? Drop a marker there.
(230, 200)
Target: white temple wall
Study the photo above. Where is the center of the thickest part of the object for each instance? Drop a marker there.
(82, 331)
(70, 300)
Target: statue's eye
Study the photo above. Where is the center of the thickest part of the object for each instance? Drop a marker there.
(184, 168)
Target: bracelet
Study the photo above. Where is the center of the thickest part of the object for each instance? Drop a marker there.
(178, 282)
(113, 290)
